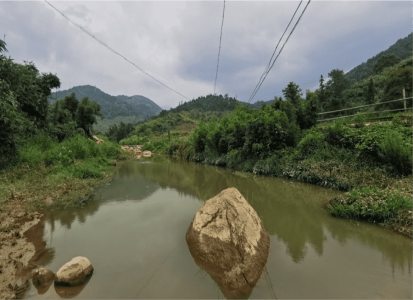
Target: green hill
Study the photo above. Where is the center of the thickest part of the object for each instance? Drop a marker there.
(113, 106)
(402, 48)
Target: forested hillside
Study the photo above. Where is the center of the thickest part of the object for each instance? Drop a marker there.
(401, 49)
(112, 106)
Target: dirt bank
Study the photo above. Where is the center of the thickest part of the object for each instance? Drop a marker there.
(17, 249)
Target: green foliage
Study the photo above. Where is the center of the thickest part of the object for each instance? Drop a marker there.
(334, 89)
(396, 151)
(311, 142)
(402, 48)
(43, 148)
(134, 140)
(208, 103)
(385, 61)
(158, 146)
(293, 93)
(30, 87)
(371, 91)
(371, 203)
(116, 133)
(138, 107)
(86, 114)
(255, 133)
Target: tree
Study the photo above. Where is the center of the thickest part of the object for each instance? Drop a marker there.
(370, 92)
(86, 114)
(322, 95)
(293, 92)
(334, 88)
(398, 80)
(70, 103)
(276, 105)
(386, 61)
(3, 46)
(308, 114)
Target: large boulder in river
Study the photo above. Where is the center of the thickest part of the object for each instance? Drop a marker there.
(74, 272)
(228, 240)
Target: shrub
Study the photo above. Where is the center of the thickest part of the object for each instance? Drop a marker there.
(370, 203)
(312, 141)
(397, 152)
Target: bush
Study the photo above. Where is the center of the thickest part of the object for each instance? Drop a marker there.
(397, 152)
(312, 141)
(370, 203)
(35, 148)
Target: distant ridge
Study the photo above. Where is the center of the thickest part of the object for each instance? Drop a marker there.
(402, 48)
(113, 106)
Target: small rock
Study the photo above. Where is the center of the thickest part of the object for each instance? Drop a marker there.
(48, 201)
(74, 272)
(42, 277)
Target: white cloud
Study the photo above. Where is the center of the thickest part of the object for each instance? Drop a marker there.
(177, 43)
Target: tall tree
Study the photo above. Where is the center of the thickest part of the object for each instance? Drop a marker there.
(335, 87)
(322, 93)
(86, 114)
(3, 46)
(293, 93)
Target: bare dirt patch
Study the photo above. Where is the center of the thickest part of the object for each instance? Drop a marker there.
(16, 250)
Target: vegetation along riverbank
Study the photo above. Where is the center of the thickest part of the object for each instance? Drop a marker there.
(369, 158)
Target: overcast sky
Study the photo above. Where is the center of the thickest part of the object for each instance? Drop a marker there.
(177, 43)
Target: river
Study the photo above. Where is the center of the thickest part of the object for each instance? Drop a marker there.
(133, 232)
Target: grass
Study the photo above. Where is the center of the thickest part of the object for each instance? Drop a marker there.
(65, 172)
(372, 203)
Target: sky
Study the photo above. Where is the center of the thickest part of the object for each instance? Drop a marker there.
(177, 42)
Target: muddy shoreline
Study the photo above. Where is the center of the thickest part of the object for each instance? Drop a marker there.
(18, 247)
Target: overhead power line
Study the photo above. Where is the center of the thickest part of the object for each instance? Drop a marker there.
(267, 71)
(219, 51)
(101, 42)
(269, 63)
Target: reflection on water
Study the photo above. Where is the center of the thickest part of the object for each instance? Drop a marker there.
(134, 235)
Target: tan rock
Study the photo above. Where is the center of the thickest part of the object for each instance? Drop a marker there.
(228, 240)
(98, 140)
(74, 272)
(147, 153)
(48, 201)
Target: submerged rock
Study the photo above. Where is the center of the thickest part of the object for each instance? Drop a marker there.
(228, 240)
(42, 279)
(74, 272)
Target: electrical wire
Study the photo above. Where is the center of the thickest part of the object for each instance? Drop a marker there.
(255, 91)
(219, 51)
(101, 42)
(269, 63)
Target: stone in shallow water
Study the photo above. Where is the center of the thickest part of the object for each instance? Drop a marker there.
(228, 240)
(74, 272)
(42, 279)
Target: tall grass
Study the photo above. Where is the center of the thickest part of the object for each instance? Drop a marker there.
(371, 203)
(397, 152)
(75, 157)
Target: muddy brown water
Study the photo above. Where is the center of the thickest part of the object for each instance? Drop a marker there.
(134, 235)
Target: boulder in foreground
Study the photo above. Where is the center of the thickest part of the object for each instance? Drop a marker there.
(74, 272)
(228, 240)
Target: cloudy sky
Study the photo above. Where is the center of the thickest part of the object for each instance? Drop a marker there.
(177, 43)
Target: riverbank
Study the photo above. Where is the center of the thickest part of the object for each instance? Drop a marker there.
(40, 181)
(372, 163)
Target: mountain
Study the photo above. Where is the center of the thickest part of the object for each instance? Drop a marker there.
(402, 48)
(113, 106)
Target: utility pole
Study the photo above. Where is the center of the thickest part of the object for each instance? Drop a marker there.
(4, 37)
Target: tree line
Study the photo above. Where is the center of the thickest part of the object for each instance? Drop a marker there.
(25, 111)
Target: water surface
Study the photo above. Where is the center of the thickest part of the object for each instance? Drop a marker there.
(134, 235)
